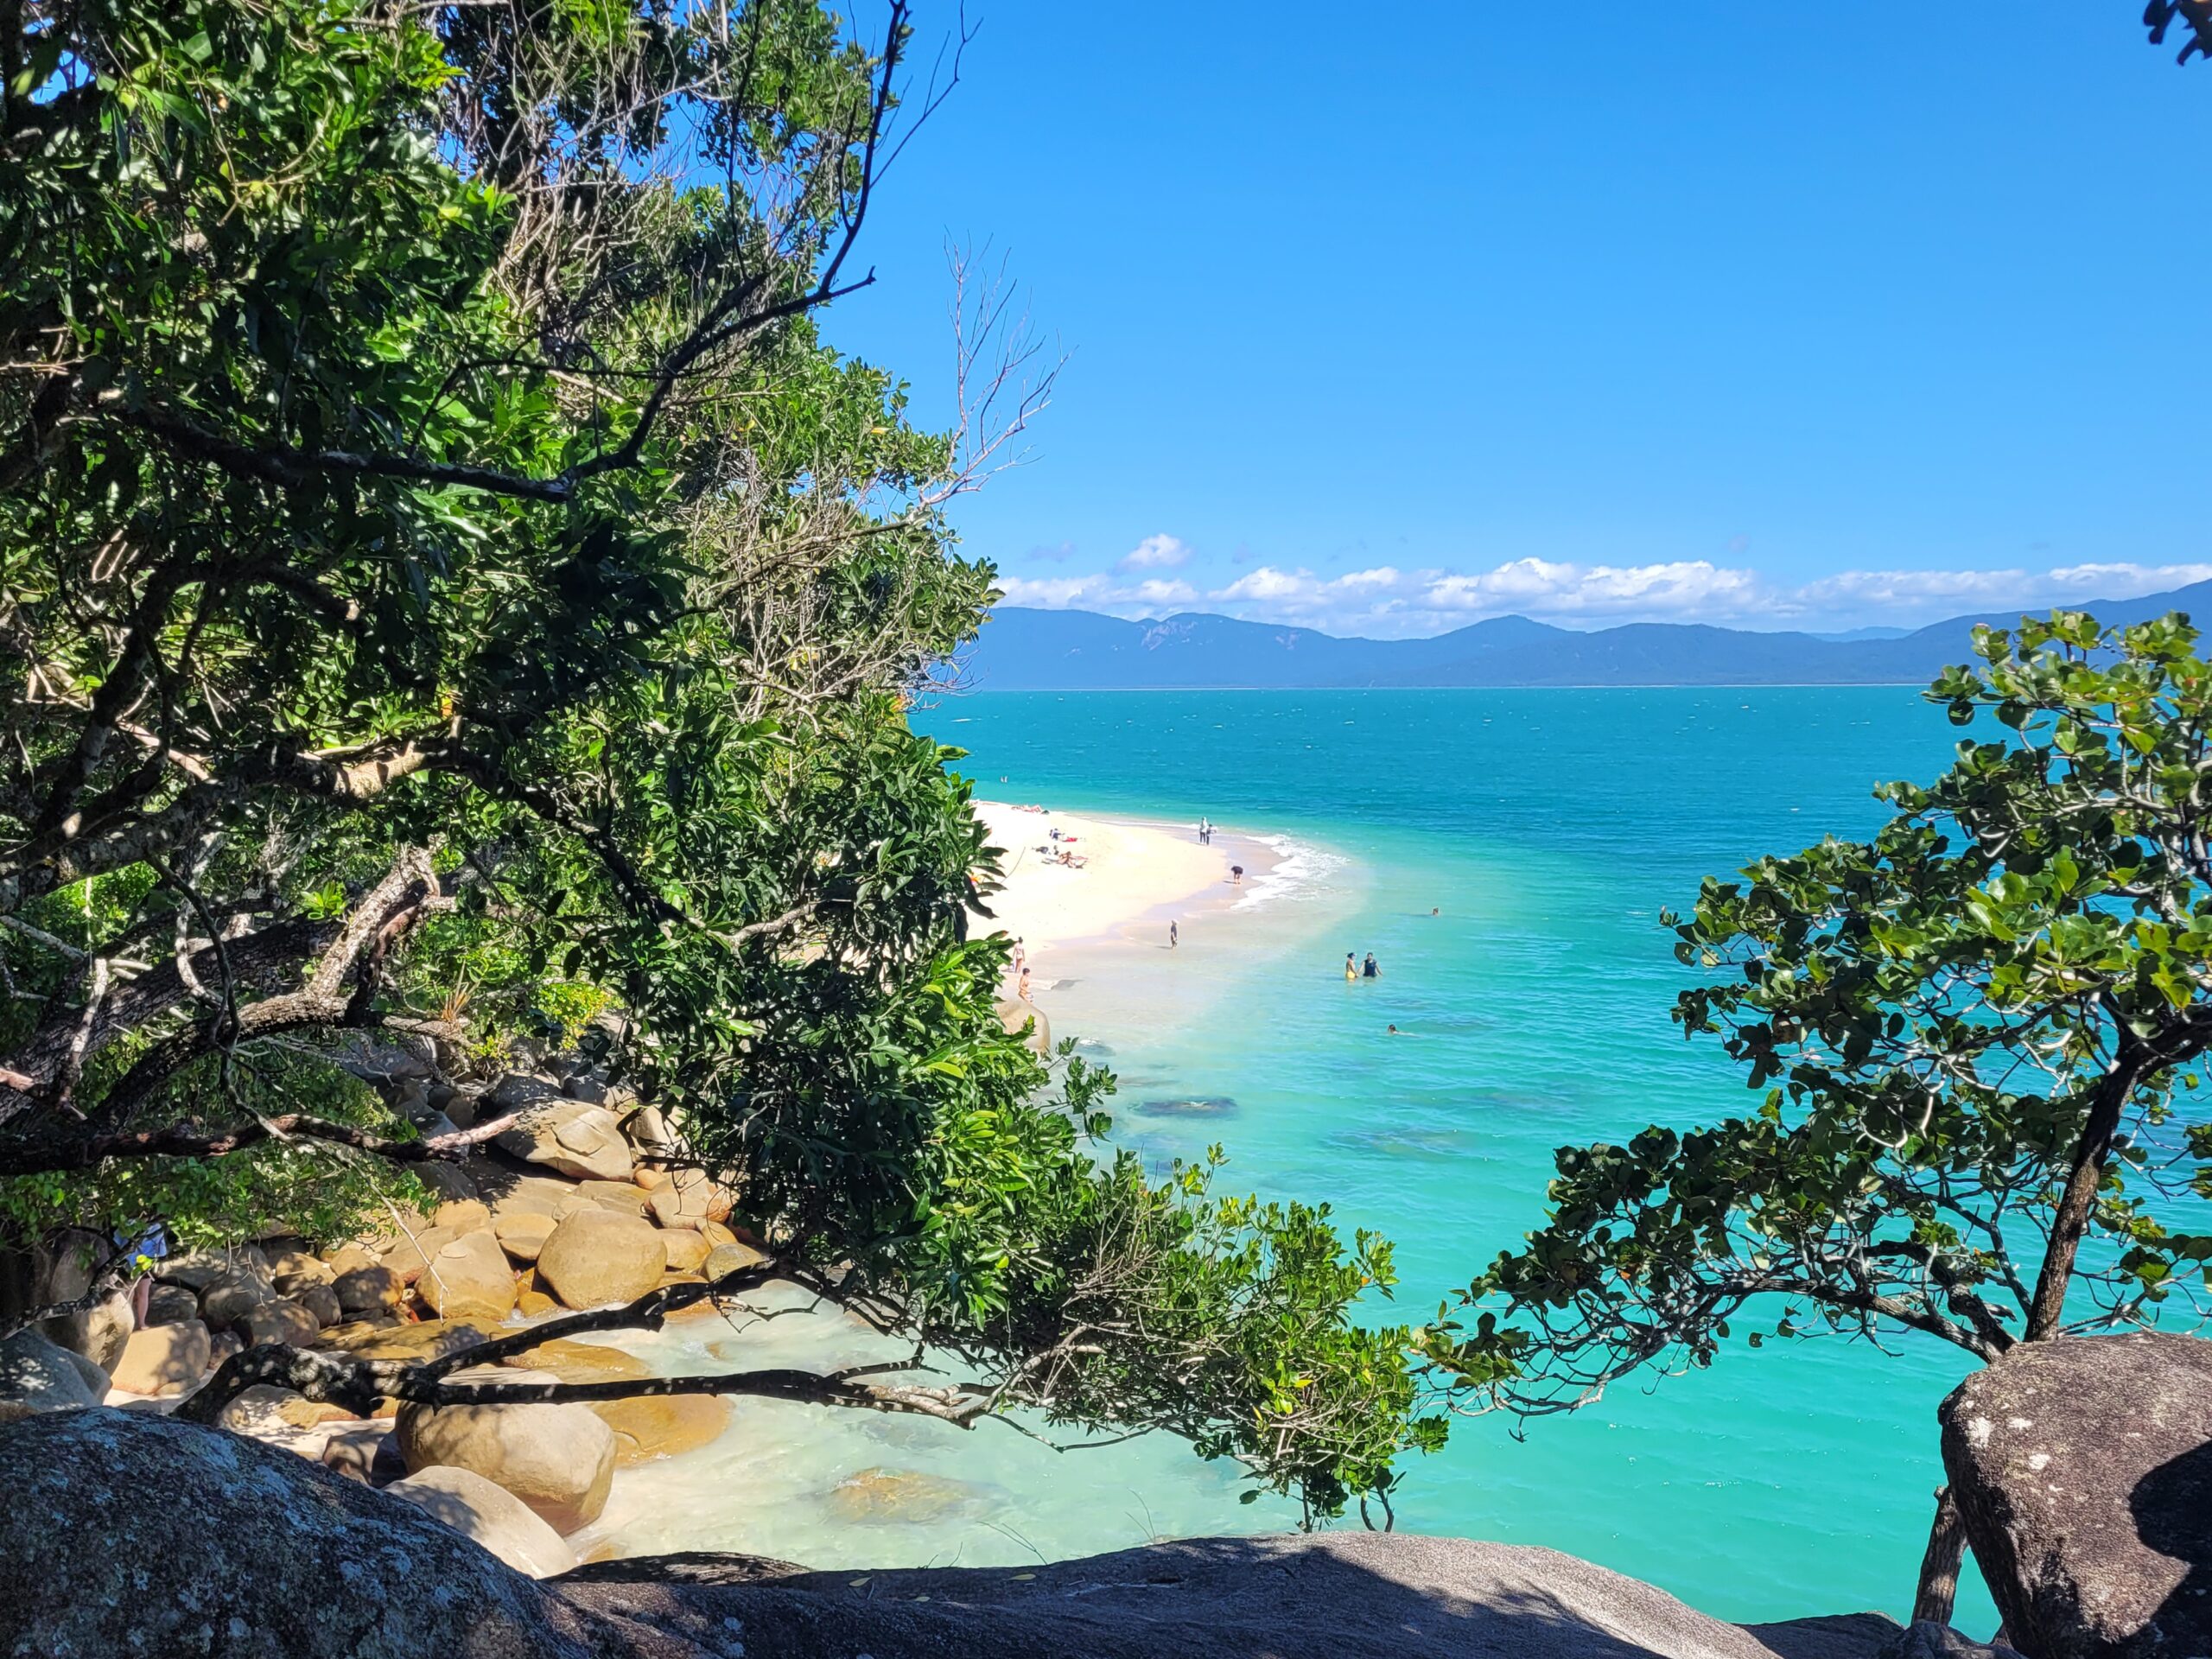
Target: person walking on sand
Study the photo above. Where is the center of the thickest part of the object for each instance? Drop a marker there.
(1368, 969)
(1174, 934)
(1022, 993)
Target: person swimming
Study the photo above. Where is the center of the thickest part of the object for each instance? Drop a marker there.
(1369, 970)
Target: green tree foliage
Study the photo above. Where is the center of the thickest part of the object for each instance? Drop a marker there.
(448, 588)
(2195, 16)
(1972, 1038)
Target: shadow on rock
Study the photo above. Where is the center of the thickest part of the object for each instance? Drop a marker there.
(2172, 1506)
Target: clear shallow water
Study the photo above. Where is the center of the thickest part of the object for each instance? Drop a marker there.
(1548, 828)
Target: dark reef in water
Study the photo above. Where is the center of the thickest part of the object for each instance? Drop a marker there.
(1190, 1106)
(1437, 1144)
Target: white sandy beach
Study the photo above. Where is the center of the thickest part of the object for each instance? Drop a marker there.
(1129, 872)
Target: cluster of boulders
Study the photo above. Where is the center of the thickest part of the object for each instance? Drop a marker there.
(581, 1203)
(129, 1533)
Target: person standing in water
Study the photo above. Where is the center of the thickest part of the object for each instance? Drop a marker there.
(1174, 934)
(1352, 968)
(1368, 970)
(1236, 875)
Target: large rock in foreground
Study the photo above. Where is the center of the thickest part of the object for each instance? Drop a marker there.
(125, 1532)
(2083, 1469)
(130, 1533)
(1346, 1595)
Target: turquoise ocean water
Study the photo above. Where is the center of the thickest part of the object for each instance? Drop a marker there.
(1549, 828)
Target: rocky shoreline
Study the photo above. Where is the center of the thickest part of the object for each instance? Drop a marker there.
(289, 1560)
(578, 1200)
(435, 1528)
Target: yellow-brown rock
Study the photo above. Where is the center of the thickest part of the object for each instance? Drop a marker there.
(462, 1215)
(470, 1278)
(687, 1251)
(278, 1321)
(163, 1359)
(626, 1196)
(522, 1233)
(558, 1460)
(409, 1256)
(728, 1258)
(373, 1289)
(431, 1339)
(596, 1257)
(580, 1362)
(661, 1425)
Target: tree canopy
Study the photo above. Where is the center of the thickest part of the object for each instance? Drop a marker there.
(451, 589)
(1972, 1038)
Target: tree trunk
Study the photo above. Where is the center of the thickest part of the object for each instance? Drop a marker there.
(1938, 1568)
(2075, 1202)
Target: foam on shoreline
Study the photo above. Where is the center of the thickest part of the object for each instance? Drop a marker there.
(1297, 870)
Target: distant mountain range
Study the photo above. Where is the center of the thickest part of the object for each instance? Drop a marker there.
(1024, 649)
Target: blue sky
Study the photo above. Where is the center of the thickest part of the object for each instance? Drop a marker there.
(1384, 320)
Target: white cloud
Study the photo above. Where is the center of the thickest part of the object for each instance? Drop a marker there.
(1050, 593)
(1155, 553)
(1927, 595)
(1268, 583)
(1098, 592)
(1686, 589)
(1388, 601)
(2126, 581)
(1156, 591)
